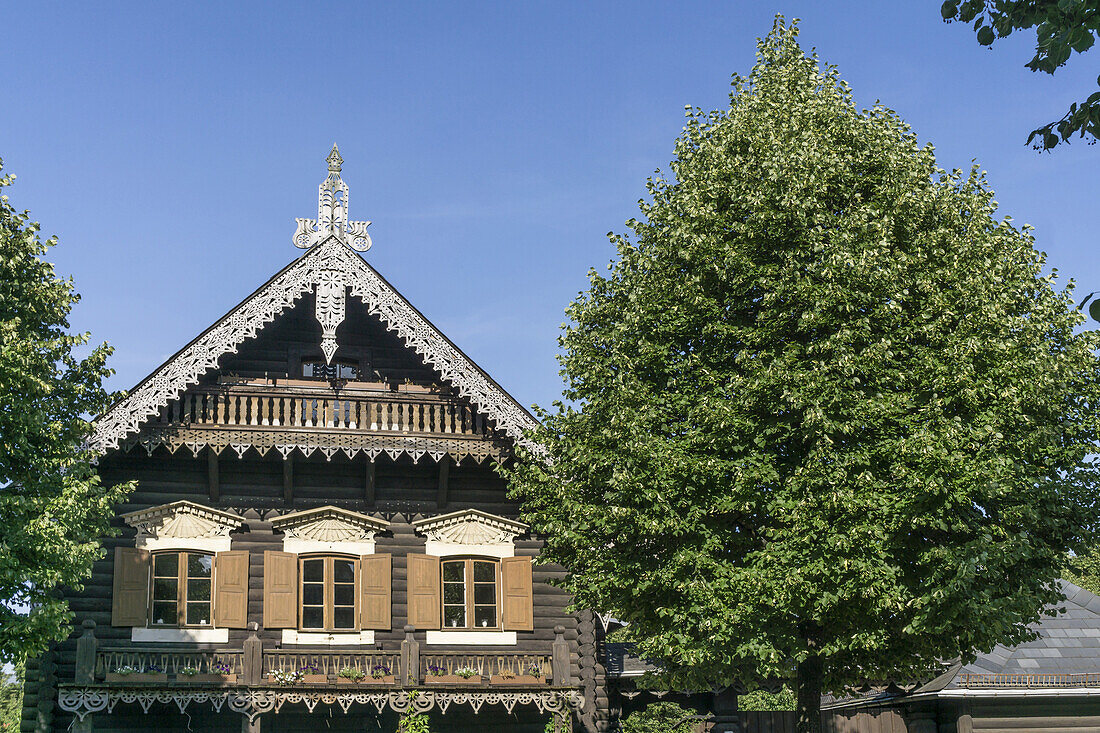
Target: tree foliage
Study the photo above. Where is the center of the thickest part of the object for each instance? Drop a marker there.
(11, 698)
(53, 509)
(1062, 27)
(825, 413)
(660, 717)
(1084, 571)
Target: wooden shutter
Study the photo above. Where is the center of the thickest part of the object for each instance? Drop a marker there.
(130, 600)
(423, 591)
(280, 590)
(517, 599)
(231, 589)
(374, 592)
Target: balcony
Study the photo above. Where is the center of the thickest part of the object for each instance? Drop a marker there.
(253, 680)
(310, 416)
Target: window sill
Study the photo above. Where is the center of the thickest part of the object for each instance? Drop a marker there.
(325, 638)
(472, 638)
(169, 636)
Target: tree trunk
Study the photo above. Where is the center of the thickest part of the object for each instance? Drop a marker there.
(810, 675)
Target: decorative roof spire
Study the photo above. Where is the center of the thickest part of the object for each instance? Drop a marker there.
(332, 213)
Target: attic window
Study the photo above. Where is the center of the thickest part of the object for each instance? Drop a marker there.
(340, 369)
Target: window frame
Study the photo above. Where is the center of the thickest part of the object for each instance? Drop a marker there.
(334, 368)
(182, 578)
(469, 585)
(329, 592)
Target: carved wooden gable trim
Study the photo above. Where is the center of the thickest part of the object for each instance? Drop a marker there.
(329, 524)
(182, 520)
(470, 527)
(331, 268)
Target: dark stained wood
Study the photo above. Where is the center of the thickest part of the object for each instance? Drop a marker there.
(212, 479)
(444, 479)
(368, 483)
(288, 480)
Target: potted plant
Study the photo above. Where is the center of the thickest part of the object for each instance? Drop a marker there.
(380, 674)
(529, 675)
(309, 674)
(437, 675)
(151, 673)
(349, 676)
(220, 674)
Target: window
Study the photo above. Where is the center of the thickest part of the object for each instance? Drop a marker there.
(182, 593)
(470, 594)
(328, 593)
(340, 369)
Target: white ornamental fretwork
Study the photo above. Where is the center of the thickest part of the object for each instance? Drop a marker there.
(332, 213)
(329, 309)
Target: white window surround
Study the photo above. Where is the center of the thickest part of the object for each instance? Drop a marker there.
(176, 636)
(328, 529)
(473, 638)
(470, 533)
(183, 525)
(291, 636)
(331, 530)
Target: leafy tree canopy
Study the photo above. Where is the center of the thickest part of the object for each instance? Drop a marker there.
(1062, 27)
(53, 509)
(660, 717)
(824, 413)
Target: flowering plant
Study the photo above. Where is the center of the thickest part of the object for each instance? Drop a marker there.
(127, 669)
(466, 672)
(189, 671)
(436, 670)
(286, 676)
(379, 670)
(351, 674)
(221, 668)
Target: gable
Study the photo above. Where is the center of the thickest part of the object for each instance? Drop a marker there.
(330, 271)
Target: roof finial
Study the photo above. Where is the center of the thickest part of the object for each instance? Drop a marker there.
(334, 160)
(332, 213)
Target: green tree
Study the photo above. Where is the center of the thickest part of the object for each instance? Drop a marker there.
(53, 509)
(825, 418)
(1084, 571)
(1062, 27)
(11, 698)
(660, 717)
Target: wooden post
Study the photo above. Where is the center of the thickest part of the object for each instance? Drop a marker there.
(212, 474)
(85, 654)
(368, 482)
(559, 658)
(444, 480)
(410, 659)
(250, 725)
(724, 706)
(253, 657)
(288, 480)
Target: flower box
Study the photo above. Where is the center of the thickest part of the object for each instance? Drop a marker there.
(138, 678)
(368, 680)
(451, 679)
(207, 679)
(516, 679)
(306, 679)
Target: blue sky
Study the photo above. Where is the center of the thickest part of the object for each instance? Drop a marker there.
(493, 145)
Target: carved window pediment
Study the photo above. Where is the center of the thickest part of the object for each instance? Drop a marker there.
(470, 527)
(329, 524)
(182, 520)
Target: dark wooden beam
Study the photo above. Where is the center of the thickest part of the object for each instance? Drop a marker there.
(212, 474)
(444, 479)
(288, 480)
(368, 483)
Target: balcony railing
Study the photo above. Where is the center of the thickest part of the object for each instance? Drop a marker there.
(254, 665)
(110, 659)
(1030, 681)
(330, 662)
(364, 410)
(498, 664)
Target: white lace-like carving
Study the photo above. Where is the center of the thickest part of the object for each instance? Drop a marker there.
(247, 319)
(470, 527)
(253, 702)
(332, 213)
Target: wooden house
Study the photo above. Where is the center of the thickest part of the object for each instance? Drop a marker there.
(318, 538)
